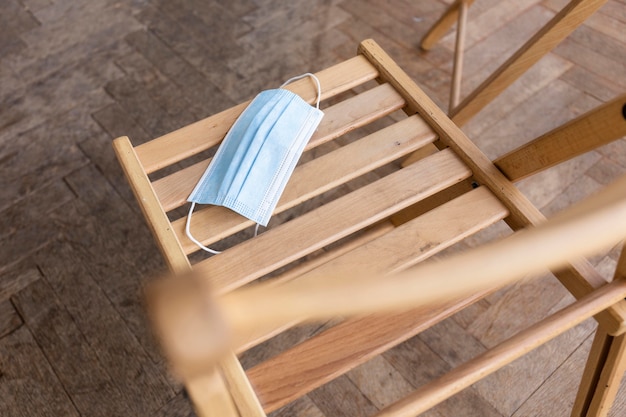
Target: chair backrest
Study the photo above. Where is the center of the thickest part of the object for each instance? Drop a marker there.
(349, 206)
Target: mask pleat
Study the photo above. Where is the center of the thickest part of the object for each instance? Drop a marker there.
(256, 158)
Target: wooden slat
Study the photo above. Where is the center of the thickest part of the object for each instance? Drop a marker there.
(598, 221)
(600, 126)
(321, 359)
(263, 333)
(557, 29)
(339, 119)
(357, 340)
(430, 239)
(315, 177)
(431, 202)
(587, 228)
(580, 277)
(331, 222)
(202, 135)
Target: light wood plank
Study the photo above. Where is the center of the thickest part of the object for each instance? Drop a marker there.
(319, 360)
(339, 119)
(208, 132)
(331, 222)
(580, 277)
(597, 222)
(598, 127)
(431, 202)
(313, 178)
(452, 136)
(428, 234)
(324, 358)
(262, 333)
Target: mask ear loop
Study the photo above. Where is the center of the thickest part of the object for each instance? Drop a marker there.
(196, 241)
(193, 239)
(317, 83)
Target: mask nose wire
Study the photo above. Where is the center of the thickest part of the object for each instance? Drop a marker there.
(317, 83)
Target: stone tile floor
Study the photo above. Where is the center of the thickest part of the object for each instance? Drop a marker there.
(75, 252)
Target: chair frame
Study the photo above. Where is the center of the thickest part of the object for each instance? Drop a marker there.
(226, 389)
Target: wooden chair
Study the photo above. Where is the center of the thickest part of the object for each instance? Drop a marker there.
(549, 36)
(374, 217)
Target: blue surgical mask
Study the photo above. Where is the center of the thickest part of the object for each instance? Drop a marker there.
(258, 155)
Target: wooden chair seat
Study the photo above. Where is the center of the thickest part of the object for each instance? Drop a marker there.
(350, 206)
(318, 360)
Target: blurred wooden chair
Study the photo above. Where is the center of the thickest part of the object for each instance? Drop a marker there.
(383, 218)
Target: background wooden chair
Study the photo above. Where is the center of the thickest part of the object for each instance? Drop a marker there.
(550, 35)
(351, 207)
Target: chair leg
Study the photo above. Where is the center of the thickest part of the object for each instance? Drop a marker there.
(602, 376)
(459, 49)
(242, 392)
(210, 396)
(445, 22)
